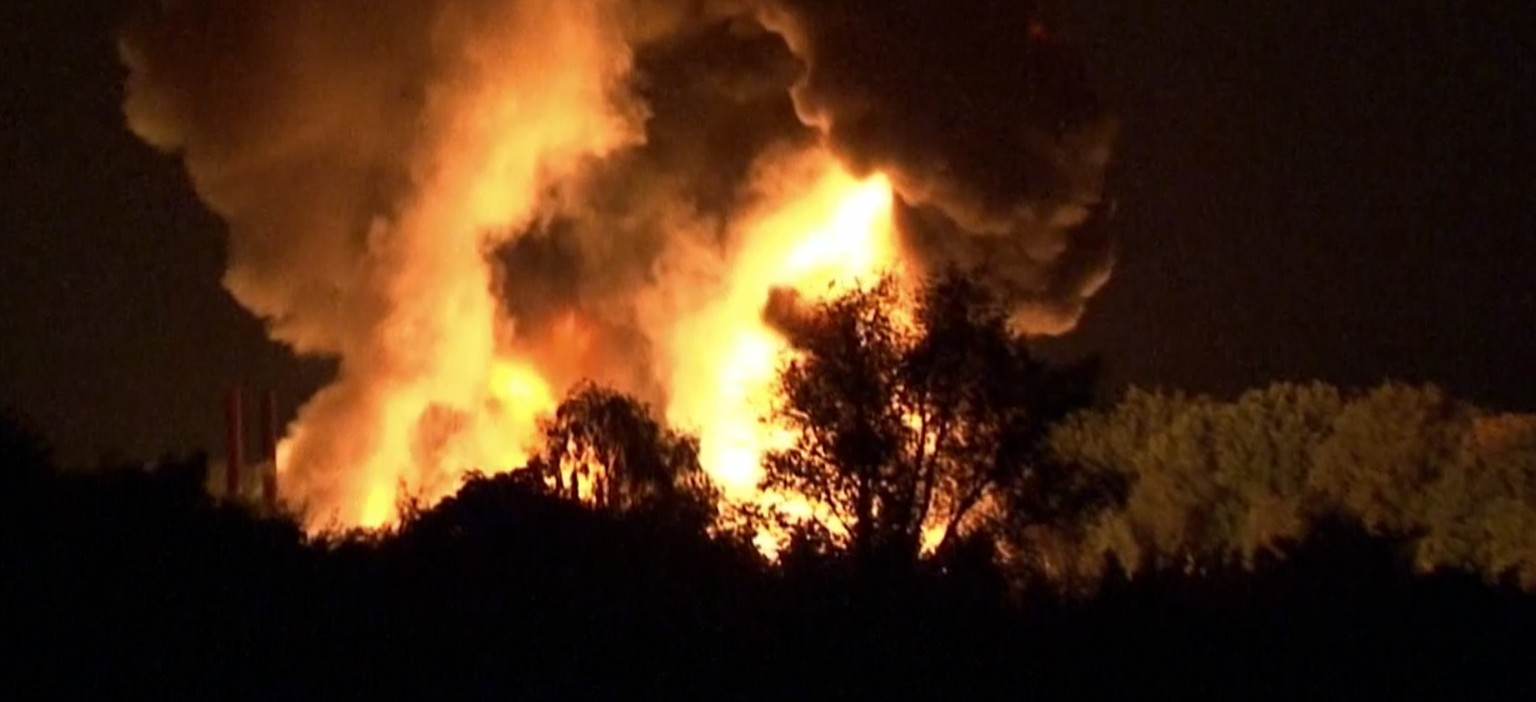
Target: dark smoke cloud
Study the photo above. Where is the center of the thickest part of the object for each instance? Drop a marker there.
(985, 123)
(979, 116)
(367, 154)
(716, 87)
(292, 118)
(364, 154)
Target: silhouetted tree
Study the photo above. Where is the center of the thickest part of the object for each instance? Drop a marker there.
(134, 580)
(27, 475)
(914, 426)
(24, 454)
(607, 448)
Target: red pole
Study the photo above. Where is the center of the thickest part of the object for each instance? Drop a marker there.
(234, 442)
(269, 447)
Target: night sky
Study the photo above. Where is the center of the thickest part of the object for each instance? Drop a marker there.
(1341, 191)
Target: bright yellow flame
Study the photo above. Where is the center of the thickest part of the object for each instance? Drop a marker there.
(853, 246)
(525, 95)
(821, 231)
(817, 230)
(520, 389)
(379, 507)
(519, 397)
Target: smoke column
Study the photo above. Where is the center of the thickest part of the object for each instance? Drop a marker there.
(990, 134)
(361, 153)
(473, 204)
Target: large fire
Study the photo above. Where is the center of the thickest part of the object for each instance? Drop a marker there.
(818, 231)
(829, 232)
(473, 205)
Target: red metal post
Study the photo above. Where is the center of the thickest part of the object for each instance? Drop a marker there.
(234, 442)
(269, 448)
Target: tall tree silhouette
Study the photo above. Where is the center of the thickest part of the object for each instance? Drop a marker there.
(916, 425)
(607, 448)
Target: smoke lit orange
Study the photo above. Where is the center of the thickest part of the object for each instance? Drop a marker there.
(822, 231)
(376, 182)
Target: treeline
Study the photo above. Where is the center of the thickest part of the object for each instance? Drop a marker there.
(977, 523)
(922, 421)
(1211, 481)
(134, 582)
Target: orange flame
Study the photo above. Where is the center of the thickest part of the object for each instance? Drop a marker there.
(817, 229)
(826, 231)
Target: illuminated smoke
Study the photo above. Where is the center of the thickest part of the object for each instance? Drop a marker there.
(474, 204)
(991, 136)
(366, 156)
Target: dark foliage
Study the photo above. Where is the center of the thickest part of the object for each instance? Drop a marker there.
(611, 450)
(907, 429)
(132, 581)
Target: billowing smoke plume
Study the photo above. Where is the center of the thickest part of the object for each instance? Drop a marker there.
(472, 204)
(632, 234)
(360, 152)
(989, 132)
